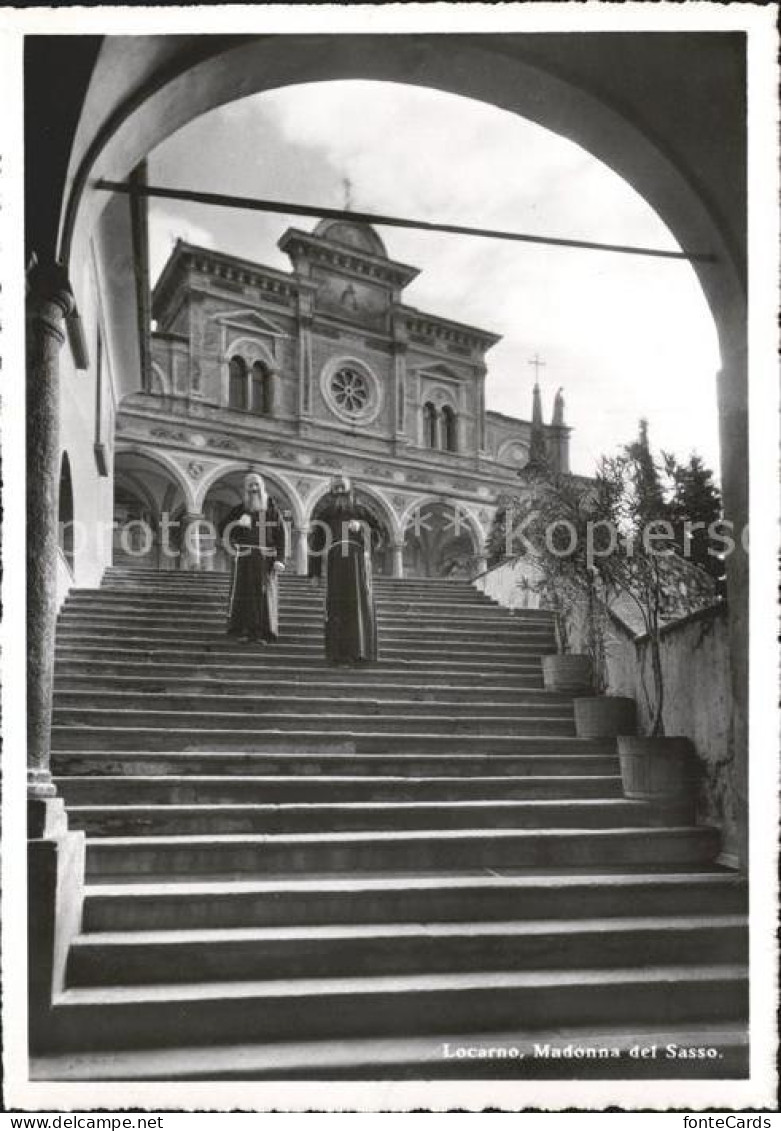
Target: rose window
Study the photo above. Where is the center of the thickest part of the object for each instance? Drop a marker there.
(350, 390)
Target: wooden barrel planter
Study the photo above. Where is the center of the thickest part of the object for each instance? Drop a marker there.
(605, 716)
(662, 771)
(567, 673)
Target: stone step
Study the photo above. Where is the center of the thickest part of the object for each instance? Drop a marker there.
(431, 605)
(309, 739)
(303, 702)
(293, 645)
(169, 730)
(513, 1054)
(372, 949)
(315, 759)
(448, 897)
(201, 577)
(415, 847)
(257, 668)
(304, 629)
(398, 851)
(125, 1016)
(230, 655)
(222, 789)
(446, 595)
(204, 819)
(191, 613)
(199, 723)
(405, 688)
(299, 638)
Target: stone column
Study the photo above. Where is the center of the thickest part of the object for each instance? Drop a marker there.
(49, 300)
(272, 392)
(301, 550)
(397, 550)
(196, 344)
(192, 556)
(304, 356)
(733, 427)
(399, 385)
(480, 412)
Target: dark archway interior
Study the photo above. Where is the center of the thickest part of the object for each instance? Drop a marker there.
(380, 536)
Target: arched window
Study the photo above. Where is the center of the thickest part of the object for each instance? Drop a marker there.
(237, 383)
(449, 430)
(260, 389)
(430, 428)
(65, 512)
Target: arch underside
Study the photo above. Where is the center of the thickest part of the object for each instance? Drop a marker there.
(523, 74)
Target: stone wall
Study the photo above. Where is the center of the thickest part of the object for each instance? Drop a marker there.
(698, 701)
(698, 688)
(510, 584)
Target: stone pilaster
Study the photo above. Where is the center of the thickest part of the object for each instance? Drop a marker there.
(399, 383)
(272, 392)
(49, 300)
(193, 557)
(480, 411)
(197, 345)
(733, 427)
(55, 856)
(304, 355)
(301, 550)
(397, 550)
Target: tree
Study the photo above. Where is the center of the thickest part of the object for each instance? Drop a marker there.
(550, 525)
(646, 566)
(695, 504)
(646, 477)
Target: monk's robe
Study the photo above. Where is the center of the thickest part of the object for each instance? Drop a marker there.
(350, 621)
(257, 539)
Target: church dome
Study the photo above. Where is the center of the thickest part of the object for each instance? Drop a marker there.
(353, 234)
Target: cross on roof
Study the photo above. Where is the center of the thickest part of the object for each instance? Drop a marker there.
(538, 364)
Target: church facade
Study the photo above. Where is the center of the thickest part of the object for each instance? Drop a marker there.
(304, 374)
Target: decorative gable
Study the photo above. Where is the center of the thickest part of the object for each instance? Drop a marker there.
(250, 334)
(440, 372)
(251, 322)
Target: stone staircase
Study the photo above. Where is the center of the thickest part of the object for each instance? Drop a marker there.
(295, 870)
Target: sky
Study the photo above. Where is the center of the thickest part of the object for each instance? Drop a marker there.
(624, 336)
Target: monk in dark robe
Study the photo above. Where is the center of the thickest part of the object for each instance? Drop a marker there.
(350, 620)
(256, 535)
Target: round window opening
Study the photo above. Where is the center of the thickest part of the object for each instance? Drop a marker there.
(350, 391)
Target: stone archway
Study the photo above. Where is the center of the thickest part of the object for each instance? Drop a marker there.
(441, 539)
(222, 493)
(150, 501)
(381, 521)
(617, 95)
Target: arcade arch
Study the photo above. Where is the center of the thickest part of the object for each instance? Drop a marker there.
(224, 491)
(150, 502)
(384, 524)
(442, 539)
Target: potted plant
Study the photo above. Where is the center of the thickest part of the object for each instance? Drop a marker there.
(564, 670)
(646, 571)
(554, 515)
(601, 715)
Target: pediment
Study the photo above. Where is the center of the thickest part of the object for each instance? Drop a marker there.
(251, 322)
(439, 372)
